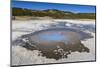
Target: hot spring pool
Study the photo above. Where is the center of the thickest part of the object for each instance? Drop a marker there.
(50, 40)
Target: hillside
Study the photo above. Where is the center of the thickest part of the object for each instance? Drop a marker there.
(56, 14)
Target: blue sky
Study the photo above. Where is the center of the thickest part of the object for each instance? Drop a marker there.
(64, 7)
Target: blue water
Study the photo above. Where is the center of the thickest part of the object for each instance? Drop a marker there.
(52, 37)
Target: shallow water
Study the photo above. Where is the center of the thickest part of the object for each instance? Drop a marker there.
(52, 37)
(54, 34)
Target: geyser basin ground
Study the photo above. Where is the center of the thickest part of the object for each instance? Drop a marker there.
(23, 56)
(55, 42)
